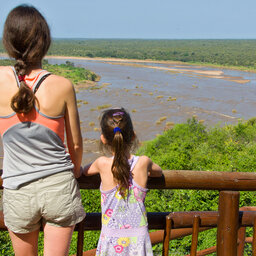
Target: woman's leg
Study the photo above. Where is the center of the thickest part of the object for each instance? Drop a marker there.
(25, 244)
(57, 240)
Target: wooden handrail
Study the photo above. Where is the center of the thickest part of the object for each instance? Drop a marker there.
(180, 179)
(203, 180)
(180, 220)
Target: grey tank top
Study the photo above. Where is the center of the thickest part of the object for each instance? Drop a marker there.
(33, 146)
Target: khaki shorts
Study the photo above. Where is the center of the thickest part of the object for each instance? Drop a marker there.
(54, 200)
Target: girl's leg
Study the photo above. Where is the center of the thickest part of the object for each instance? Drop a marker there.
(25, 244)
(57, 240)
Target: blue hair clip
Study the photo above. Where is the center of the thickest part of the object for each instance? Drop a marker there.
(117, 129)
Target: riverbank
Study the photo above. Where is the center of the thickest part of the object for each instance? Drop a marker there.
(198, 64)
(172, 66)
(239, 68)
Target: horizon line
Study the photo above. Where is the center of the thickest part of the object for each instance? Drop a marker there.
(134, 38)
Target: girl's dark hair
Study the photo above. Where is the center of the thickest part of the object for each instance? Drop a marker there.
(27, 39)
(117, 129)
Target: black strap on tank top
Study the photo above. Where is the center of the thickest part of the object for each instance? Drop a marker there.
(40, 81)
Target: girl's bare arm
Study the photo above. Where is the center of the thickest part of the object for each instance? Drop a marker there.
(154, 170)
(92, 168)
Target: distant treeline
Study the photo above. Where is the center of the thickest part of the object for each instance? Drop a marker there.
(240, 53)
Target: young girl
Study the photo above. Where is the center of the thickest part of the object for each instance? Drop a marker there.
(123, 188)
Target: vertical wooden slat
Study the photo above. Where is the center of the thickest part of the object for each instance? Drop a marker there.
(80, 238)
(167, 233)
(228, 223)
(241, 241)
(195, 232)
(254, 238)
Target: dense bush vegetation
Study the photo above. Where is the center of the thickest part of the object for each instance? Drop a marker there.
(68, 70)
(75, 74)
(221, 52)
(192, 146)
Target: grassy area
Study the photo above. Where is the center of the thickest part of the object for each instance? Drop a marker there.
(193, 146)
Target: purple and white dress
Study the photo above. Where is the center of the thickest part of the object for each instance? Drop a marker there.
(124, 222)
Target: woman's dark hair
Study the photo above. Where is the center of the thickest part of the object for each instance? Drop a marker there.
(117, 129)
(27, 39)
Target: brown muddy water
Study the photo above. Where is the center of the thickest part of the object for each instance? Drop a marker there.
(159, 95)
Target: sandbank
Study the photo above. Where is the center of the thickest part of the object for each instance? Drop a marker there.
(179, 67)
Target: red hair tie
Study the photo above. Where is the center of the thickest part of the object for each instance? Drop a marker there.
(21, 78)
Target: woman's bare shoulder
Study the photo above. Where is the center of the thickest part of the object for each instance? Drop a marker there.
(59, 80)
(6, 71)
(59, 86)
(5, 68)
(6, 74)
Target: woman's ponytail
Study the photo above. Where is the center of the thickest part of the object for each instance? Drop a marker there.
(27, 39)
(24, 100)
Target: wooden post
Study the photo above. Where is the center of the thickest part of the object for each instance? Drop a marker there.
(254, 238)
(167, 233)
(241, 241)
(228, 223)
(80, 238)
(195, 232)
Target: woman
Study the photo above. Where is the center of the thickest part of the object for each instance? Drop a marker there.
(36, 109)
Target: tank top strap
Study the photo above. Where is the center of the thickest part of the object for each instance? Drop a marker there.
(133, 162)
(39, 81)
(16, 77)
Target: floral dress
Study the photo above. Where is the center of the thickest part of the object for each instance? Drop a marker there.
(124, 222)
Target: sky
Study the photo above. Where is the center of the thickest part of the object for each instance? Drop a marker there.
(144, 19)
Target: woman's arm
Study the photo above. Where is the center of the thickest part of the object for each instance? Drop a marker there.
(73, 131)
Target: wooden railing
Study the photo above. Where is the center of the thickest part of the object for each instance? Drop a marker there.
(228, 219)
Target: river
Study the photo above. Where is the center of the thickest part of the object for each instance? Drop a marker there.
(159, 95)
